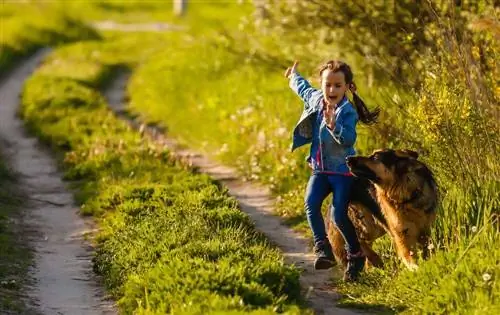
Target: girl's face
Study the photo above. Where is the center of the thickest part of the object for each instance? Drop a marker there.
(333, 86)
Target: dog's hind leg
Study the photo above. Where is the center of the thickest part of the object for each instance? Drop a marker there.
(338, 244)
(336, 239)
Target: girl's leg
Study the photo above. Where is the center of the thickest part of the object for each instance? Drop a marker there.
(317, 190)
(341, 186)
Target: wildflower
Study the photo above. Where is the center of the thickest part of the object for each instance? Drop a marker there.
(246, 111)
(432, 75)
(486, 277)
(261, 138)
(396, 98)
(282, 131)
(430, 246)
(474, 229)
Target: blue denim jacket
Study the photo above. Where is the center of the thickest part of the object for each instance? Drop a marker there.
(329, 148)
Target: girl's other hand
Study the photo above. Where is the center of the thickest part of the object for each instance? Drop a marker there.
(291, 69)
(329, 116)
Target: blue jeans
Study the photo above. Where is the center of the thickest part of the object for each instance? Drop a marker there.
(318, 188)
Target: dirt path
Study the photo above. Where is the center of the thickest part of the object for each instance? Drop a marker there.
(257, 202)
(109, 25)
(64, 281)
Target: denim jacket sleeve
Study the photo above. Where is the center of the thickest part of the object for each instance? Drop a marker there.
(345, 127)
(304, 90)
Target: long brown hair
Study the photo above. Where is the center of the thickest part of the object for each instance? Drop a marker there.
(366, 116)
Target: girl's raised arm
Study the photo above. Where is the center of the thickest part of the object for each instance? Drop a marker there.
(301, 86)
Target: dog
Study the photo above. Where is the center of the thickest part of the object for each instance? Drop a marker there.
(393, 193)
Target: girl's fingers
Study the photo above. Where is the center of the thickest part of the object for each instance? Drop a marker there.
(292, 69)
(287, 72)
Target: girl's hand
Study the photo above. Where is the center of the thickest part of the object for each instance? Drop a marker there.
(291, 70)
(329, 116)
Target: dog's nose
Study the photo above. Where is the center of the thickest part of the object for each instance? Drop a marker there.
(351, 160)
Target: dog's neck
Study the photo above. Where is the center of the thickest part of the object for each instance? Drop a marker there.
(391, 198)
(397, 197)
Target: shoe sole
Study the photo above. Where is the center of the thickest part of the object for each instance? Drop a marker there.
(323, 264)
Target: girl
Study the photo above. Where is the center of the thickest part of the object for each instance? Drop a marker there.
(328, 122)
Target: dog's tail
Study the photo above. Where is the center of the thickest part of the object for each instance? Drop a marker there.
(337, 240)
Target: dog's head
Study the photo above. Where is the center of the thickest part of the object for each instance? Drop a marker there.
(385, 167)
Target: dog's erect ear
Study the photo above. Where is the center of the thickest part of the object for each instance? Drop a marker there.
(415, 166)
(405, 153)
(412, 166)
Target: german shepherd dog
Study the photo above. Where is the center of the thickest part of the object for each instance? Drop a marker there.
(392, 193)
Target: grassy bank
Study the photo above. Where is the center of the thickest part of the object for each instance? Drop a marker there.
(171, 240)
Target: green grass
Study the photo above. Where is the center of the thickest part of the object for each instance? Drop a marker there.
(461, 280)
(170, 240)
(202, 17)
(223, 93)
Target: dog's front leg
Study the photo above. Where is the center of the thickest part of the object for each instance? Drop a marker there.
(405, 241)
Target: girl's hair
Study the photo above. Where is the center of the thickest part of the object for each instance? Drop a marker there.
(364, 114)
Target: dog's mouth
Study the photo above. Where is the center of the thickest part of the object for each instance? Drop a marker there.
(363, 171)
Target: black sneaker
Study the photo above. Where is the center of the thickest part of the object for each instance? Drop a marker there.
(355, 264)
(324, 254)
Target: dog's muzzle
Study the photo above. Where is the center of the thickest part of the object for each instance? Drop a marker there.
(358, 168)
(351, 161)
